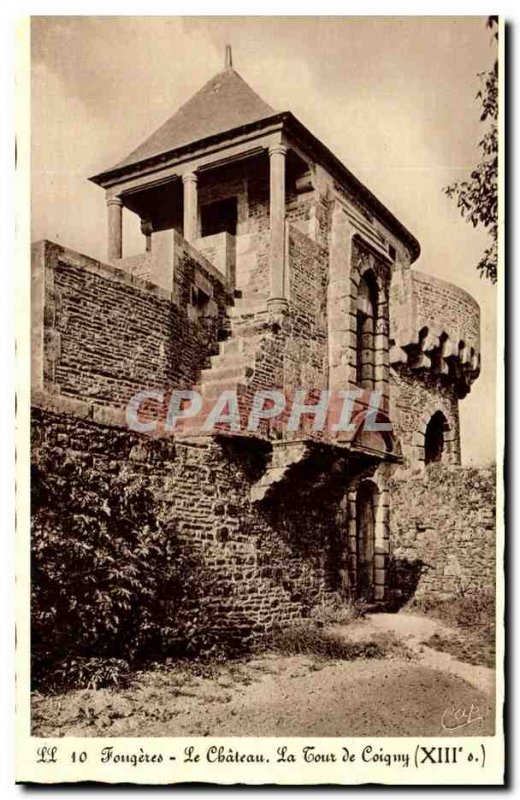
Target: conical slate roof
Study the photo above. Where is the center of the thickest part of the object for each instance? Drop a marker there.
(224, 103)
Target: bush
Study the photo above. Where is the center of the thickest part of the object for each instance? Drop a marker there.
(109, 582)
(91, 673)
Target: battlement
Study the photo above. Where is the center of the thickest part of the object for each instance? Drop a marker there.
(435, 326)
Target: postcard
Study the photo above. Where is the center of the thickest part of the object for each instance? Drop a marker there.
(260, 300)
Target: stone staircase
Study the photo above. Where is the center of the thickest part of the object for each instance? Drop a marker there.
(232, 370)
(234, 365)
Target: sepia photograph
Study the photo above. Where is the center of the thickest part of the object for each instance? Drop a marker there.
(264, 405)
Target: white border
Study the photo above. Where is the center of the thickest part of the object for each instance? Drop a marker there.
(166, 8)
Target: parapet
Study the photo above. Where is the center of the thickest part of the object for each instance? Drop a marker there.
(435, 326)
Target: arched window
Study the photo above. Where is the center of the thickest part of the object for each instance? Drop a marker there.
(365, 331)
(434, 438)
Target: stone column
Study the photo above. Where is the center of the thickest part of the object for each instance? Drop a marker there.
(352, 539)
(381, 352)
(277, 294)
(189, 180)
(382, 535)
(115, 228)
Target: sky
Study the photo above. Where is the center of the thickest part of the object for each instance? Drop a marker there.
(394, 98)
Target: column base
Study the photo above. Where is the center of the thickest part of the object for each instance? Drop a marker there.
(379, 593)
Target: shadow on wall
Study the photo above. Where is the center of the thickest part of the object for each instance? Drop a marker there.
(403, 578)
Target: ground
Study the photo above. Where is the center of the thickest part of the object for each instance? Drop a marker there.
(414, 691)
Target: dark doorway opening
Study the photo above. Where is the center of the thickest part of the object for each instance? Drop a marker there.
(219, 217)
(434, 438)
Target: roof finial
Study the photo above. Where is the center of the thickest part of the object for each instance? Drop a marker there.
(229, 57)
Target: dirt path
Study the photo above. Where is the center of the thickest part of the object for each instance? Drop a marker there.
(413, 630)
(273, 695)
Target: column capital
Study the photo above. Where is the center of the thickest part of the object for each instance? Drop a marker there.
(114, 200)
(146, 226)
(190, 177)
(277, 149)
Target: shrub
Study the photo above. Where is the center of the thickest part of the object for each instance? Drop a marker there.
(108, 580)
(91, 673)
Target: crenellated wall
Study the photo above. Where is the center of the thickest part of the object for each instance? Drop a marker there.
(444, 307)
(434, 325)
(435, 357)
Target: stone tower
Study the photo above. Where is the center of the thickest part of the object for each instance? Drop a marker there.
(265, 264)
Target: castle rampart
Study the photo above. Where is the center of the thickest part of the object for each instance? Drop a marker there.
(266, 265)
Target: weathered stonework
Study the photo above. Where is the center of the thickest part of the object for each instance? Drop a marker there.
(443, 532)
(415, 398)
(266, 265)
(274, 560)
(434, 326)
(108, 334)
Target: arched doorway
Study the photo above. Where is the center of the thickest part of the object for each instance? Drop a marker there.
(434, 438)
(365, 540)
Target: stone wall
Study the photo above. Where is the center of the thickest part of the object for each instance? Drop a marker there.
(414, 398)
(258, 197)
(221, 184)
(305, 353)
(424, 304)
(290, 352)
(442, 531)
(270, 561)
(273, 561)
(101, 334)
(442, 306)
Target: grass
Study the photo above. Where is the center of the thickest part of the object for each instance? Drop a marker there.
(312, 640)
(472, 615)
(478, 652)
(339, 612)
(165, 695)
